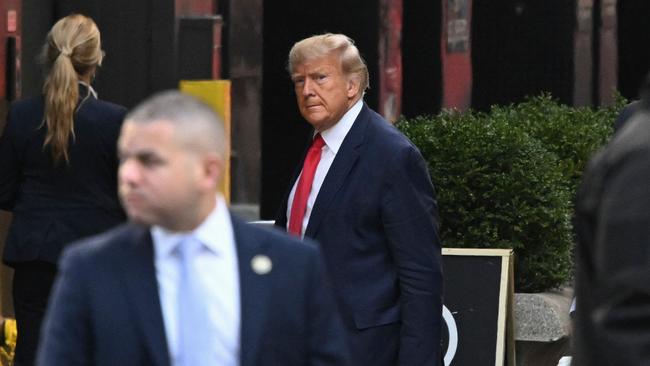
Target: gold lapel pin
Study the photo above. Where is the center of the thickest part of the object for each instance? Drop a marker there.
(261, 264)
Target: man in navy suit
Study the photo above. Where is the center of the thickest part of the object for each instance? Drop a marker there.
(184, 283)
(612, 256)
(364, 193)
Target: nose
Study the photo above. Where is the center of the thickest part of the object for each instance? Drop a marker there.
(129, 172)
(307, 88)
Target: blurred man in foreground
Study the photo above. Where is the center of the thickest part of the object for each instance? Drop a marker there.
(184, 283)
(613, 257)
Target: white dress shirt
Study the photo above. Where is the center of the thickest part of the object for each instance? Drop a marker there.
(217, 264)
(333, 138)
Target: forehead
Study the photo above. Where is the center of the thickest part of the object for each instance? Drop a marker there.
(149, 134)
(328, 62)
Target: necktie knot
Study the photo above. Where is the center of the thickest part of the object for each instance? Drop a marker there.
(318, 142)
(188, 247)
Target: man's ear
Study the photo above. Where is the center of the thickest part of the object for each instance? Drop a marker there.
(354, 84)
(214, 166)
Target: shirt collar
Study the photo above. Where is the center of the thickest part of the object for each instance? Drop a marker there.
(89, 87)
(335, 135)
(213, 232)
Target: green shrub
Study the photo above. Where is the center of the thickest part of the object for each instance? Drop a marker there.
(574, 134)
(506, 179)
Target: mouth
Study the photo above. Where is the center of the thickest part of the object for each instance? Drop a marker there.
(131, 199)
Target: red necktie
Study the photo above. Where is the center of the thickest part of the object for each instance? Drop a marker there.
(303, 188)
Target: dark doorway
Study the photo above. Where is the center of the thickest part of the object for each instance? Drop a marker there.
(633, 40)
(284, 132)
(422, 75)
(522, 48)
(138, 37)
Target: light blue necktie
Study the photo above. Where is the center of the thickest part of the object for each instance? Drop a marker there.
(193, 321)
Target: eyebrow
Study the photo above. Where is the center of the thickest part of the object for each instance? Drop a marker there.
(140, 155)
(320, 70)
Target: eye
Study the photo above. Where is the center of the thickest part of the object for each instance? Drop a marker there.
(121, 158)
(150, 161)
(298, 81)
(321, 78)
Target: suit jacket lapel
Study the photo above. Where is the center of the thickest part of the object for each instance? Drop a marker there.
(343, 162)
(253, 289)
(139, 275)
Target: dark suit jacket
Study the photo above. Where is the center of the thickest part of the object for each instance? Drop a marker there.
(613, 255)
(626, 114)
(54, 205)
(375, 217)
(105, 307)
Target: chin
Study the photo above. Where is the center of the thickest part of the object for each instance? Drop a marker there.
(314, 119)
(138, 218)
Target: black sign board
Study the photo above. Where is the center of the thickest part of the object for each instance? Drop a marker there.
(477, 308)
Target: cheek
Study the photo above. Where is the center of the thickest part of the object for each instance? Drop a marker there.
(159, 186)
(182, 181)
(166, 196)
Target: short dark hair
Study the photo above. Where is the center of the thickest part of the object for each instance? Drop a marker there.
(187, 113)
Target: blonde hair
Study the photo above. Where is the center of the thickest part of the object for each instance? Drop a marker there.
(72, 49)
(325, 44)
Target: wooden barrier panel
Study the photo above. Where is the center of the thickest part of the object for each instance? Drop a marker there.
(216, 93)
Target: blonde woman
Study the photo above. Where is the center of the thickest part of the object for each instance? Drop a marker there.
(57, 170)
